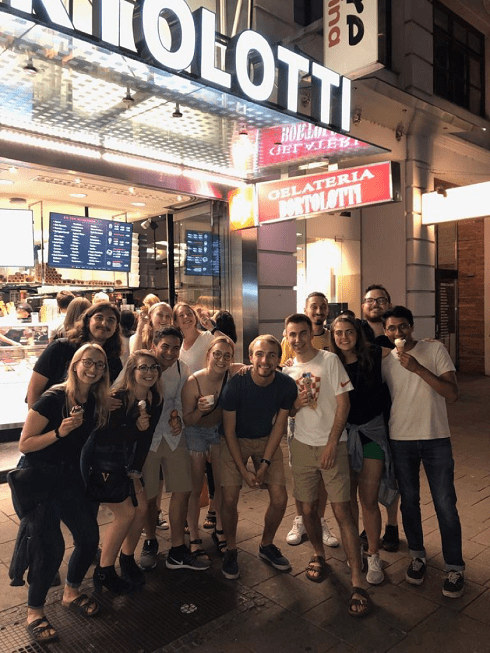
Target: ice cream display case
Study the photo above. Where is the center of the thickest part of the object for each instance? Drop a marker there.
(20, 347)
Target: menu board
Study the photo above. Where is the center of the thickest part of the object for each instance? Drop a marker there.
(89, 244)
(202, 254)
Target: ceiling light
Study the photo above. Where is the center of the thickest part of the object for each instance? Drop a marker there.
(78, 180)
(13, 170)
(179, 198)
(6, 182)
(128, 99)
(177, 113)
(138, 204)
(131, 190)
(30, 67)
(78, 194)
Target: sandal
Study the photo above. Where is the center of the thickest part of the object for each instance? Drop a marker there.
(364, 603)
(220, 544)
(40, 626)
(85, 605)
(316, 570)
(210, 520)
(200, 551)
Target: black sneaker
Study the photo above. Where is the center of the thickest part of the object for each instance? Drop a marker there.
(230, 568)
(391, 541)
(364, 541)
(273, 556)
(415, 573)
(180, 557)
(148, 558)
(454, 584)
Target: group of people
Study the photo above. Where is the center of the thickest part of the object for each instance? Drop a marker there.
(182, 405)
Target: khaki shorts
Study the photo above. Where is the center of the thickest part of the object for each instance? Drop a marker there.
(305, 466)
(251, 448)
(176, 467)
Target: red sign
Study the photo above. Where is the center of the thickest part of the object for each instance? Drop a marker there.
(302, 141)
(350, 188)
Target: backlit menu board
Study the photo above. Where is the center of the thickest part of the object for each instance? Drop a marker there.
(202, 254)
(88, 243)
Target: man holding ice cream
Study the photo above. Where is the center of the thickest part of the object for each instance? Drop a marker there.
(421, 377)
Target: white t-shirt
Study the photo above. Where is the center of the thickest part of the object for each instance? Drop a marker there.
(195, 357)
(328, 379)
(173, 380)
(418, 412)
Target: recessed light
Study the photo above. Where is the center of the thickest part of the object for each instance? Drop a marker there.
(6, 182)
(131, 190)
(13, 169)
(77, 180)
(138, 204)
(78, 194)
(179, 198)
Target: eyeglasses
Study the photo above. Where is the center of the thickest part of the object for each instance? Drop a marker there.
(99, 317)
(88, 363)
(218, 355)
(146, 368)
(394, 327)
(381, 301)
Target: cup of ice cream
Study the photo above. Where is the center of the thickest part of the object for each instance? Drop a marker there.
(209, 399)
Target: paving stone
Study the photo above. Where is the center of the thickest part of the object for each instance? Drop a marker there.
(483, 537)
(479, 609)
(8, 531)
(401, 609)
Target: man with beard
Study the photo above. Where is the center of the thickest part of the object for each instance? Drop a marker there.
(255, 411)
(316, 308)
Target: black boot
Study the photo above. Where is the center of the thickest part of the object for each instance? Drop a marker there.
(130, 570)
(107, 577)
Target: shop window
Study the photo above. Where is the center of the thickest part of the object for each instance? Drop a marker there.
(459, 70)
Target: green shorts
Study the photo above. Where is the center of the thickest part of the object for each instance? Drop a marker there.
(373, 451)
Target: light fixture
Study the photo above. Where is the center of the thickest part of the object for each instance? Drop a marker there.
(138, 204)
(6, 182)
(441, 190)
(146, 224)
(399, 131)
(243, 130)
(128, 99)
(177, 113)
(30, 67)
(131, 190)
(13, 170)
(357, 115)
(78, 194)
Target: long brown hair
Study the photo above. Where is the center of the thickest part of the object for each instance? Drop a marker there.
(128, 381)
(180, 305)
(80, 333)
(361, 348)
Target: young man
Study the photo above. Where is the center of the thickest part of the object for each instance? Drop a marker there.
(319, 450)
(316, 308)
(255, 411)
(169, 451)
(421, 378)
(376, 301)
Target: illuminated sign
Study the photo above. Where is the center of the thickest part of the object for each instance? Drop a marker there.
(169, 35)
(241, 208)
(462, 203)
(332, 191)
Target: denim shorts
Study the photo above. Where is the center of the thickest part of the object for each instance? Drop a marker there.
(200, 438)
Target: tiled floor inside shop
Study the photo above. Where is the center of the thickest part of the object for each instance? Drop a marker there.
(267, 611)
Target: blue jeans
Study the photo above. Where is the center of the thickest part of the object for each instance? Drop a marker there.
(436, 456)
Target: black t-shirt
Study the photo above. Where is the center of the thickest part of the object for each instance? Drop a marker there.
(368, 399)
(256, 406)
(122, 433)
(53, 362)
(53, 405)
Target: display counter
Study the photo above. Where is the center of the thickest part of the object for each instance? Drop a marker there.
(16, 365)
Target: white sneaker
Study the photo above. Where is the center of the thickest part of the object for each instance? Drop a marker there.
(296, 534)
(375, 574)
(328, 537)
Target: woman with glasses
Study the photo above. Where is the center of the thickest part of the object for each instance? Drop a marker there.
(126, 440)
(99, 324)
(152, 318)
(57, 426)
(367, 438)
(202, 416)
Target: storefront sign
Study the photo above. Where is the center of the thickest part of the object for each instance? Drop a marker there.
(332, 191)
(351, 36)
(169, 35)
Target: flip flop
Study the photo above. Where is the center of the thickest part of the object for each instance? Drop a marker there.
(36, 629)
(85, 605)
(316, 570)
(363, 602)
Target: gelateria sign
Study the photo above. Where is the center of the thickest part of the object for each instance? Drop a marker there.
(339, 190)
(169, 35)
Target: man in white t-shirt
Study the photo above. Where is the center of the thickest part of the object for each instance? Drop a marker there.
(421, 377)
(319, 450)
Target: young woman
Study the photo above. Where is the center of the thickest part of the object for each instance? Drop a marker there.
(196, 343)
(369, 451)
(202, 416)
(156, 316)
(100, 324)
(76, 307)
(127, 438)
(52, 440)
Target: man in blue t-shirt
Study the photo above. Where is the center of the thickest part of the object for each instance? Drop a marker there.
(255, 411)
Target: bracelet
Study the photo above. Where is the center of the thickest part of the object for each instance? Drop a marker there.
(267, 462)
(57, 433)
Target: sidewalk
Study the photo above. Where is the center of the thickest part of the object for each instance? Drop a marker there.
(267, 611)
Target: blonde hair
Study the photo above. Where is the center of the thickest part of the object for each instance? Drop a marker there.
(148, 330)
(180, 305)
(100, 389)
(128, 381)
(150, 300)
